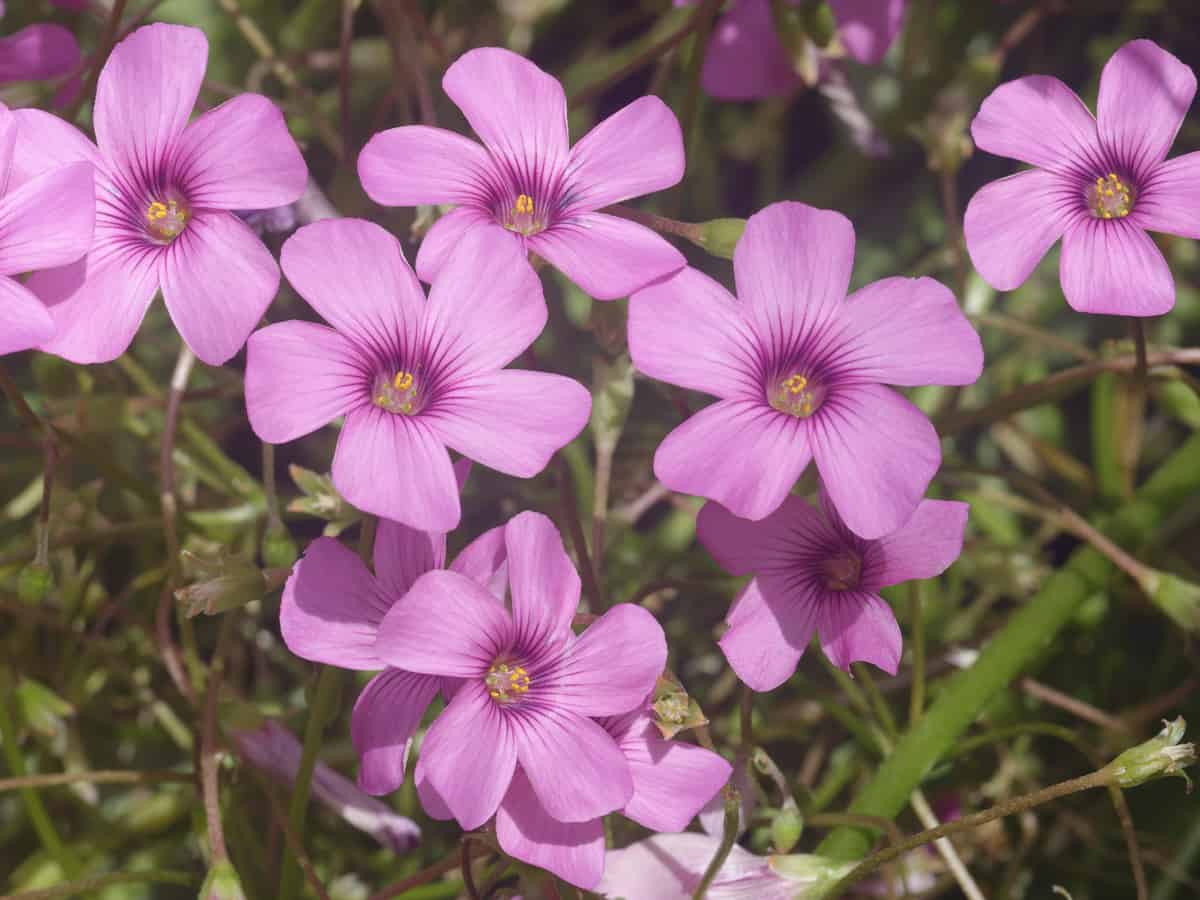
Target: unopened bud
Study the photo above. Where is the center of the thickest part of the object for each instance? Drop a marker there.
(1158, 757)
(815, 872)
(34, 583)
(786, 828)
(222, 883)
(720, 236)
(1175, 596)
(224, 582)
(278, 549)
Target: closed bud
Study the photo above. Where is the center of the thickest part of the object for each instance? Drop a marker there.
(222, 883)
(816, 873)
(279, 551)
(1175, 596)
(786, 828)
(720, 236)
(34, 583)
(1158, 757)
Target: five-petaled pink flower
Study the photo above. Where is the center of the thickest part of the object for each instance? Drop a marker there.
(813, 575)
(38, 52)
(165, 191)
(527, 182)
(37, 230)
(1098, 183)
(519, 739)
(745, 59)
(411, 377)
(800, 371)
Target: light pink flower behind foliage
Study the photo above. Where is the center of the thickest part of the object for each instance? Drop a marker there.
(800, 370)
(164, 194)
(527, 182)
(519, 739)
(1098, 183)
(812, 575)
(412, 377)
(37, 230)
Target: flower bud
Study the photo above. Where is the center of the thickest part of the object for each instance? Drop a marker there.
(786, 827)
(34, 583)
(720, 236)
(817, 873)
(1175, 596)
(1158, 757)
(222, 883)
(278, 549)
(322, 500)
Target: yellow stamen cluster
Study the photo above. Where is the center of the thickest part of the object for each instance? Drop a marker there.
(1110, 198)
(524, 205)
(521, 218)
(398, 395)
(166, 221)
(794, 398)
(506, 683)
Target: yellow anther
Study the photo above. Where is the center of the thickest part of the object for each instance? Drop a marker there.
(506, 683)
(157, 210)
(524, 205)
(795, 384)
(1110, 197)
(403, 381)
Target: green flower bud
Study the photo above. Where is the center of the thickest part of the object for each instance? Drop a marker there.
(720, 236)
(278, 549)
(222, 883)
(786, 828)
(816, 873)
(1175, 596)
(34, 583)
(1158, 757)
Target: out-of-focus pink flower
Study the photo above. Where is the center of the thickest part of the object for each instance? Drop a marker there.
(745, 59)
(45, 220)
(800, 371)
(275, 750)
(527, 182)
(37, 52)
(1098, 183)
(670, 866)
(519, 739)
(164, 194)
(812, 575)
(412, 377)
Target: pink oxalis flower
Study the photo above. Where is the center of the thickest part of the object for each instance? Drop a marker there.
(812, 575)
(37, 230)
(800, 370)
(519, 739)
(1098, 183)
(527, 182)
(165, 191)
(38, 52)
(411, 377)
(745, 59)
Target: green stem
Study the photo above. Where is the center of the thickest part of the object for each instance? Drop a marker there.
(733, 806)
(89, 886)
(916, 701)
(1008, 654)
(322, 709)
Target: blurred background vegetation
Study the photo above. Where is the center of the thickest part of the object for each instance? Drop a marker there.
(83, 685)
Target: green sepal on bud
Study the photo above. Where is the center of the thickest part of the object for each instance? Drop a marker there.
(674, 710)
(1175, 596)
(786, 827)
(1159, 757)
(279, 551)
(220, 583)
(815, 873)
(322, 500)
(719, 236)
(222, 883)
(34, 583)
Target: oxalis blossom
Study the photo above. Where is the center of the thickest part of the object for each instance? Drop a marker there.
(527, 182)
(411, 377)
(800, 371)
(165, 191)
(1098, 183)
(38, 52)
(37, 230)
(746, 60)
(812, 575)
(519, 739)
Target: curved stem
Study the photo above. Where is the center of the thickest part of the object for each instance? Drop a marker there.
(733, 808)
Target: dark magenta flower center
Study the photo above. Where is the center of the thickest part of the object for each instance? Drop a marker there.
(842, 572)
(167, 218)
(796, 394)
(1111, 196)
(397, 393)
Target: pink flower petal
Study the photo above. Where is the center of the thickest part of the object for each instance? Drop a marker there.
(1113, 267)
(299, 377)
(518, 110)
(637, 150)
(26, 321)
(1011, 223)
(486, 306)
(606, 256)
(331, 608)
(1170, 201)
(868, 27)
(417, 165)
(670, 867)
(447, 625)
(45, 142)
(447, 233)
(741, 453)
(744, 547)
(403, 554)
(354, 274)
(910, 331)
(217, 280)
(47, 221)
(512, 420)
(469, 755)
(397, 467)
(38, 52)
(792, 267)
(544, 583)
(1145, 93)
(485, 560)
(689, 331)
(858, 626)
(98, 304)
(770, 626)
(613, 665)
(876, 453)
(672, 780)
(8, 144)
(432, 802)
(240, 155)
(146, 92)
(1039, 120)
(745, 60)
(574, 851)
(924, 547)
(575, 768)
(385, 716)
